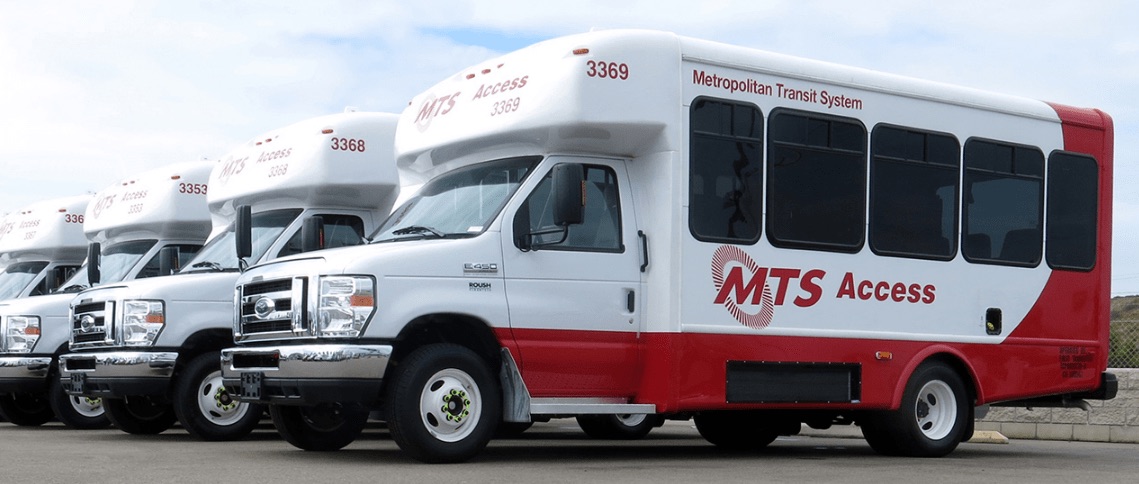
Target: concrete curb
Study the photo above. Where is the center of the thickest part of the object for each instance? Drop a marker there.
(988, 437)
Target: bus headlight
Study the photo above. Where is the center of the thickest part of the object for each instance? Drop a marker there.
(22, 333)
(142, 321)
(346, 304)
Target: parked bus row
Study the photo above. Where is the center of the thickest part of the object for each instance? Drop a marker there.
(621, 227)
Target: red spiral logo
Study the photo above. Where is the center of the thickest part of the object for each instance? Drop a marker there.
(720, 259)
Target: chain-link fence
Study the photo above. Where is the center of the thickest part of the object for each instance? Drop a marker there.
(1124, 344)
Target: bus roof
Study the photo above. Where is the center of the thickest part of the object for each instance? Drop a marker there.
(50, 229)
(622, 92)
(166, 202)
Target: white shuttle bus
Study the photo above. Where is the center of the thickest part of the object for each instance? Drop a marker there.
(633, 222)
(149, 348)
(41, 246)
(141, 226)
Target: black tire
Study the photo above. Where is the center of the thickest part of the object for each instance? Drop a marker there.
(139, 415)
(77, 412)
(444, 404)
(618, 427)
(876, 431)
(322, 428)
(206, 409)
(932, 421)
(26, 409)
(735, 430)
(510, 430)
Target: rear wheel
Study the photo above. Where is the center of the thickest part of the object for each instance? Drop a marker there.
(618, 427)
(77, 412)
(26, 409)
(933, 418)
(139, 415)
(325, 427)
(206, 409)
(443, 404)
(735, 430)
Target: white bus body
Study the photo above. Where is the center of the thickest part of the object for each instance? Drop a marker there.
(766, 241)
(131, 222)
(40, 242)
(338, 167)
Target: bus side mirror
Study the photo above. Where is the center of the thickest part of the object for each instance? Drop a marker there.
(51, 280)
(243, 231)
(569, 195)
(312, 234)
(168, 260)
(93, 263)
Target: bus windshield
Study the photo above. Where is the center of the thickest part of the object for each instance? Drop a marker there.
(17, 276)
(220, 254)
(458, 204)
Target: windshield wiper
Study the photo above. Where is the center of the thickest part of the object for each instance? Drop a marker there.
(418, 229)
(72, 288)
(214, 266)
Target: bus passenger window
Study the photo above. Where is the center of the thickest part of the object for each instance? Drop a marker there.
(725, 168)
(816, 187)
(1073, 203)
(914, 179)
(1004, 198)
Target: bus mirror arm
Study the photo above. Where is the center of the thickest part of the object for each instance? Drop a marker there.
(535, 241)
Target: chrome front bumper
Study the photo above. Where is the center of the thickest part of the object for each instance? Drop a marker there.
(18, 367)
(117, 374)
(306, 374)
(308, 361)
(119, 364)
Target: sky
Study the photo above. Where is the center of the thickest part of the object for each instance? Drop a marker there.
(91, 92)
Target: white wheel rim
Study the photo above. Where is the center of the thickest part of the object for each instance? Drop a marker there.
(631, 419)
(450, 405)
(216, 404)
(935, 410)
(86, 406)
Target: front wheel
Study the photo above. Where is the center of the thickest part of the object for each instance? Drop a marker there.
(325, 427)
(443, 404)
(26, 409)
(618, 427)
(139, 415)
(206, 409)
(932, 421)
(77, 412)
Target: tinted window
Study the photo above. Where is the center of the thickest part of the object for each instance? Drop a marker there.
(816, 188)
(913, 193)
(339, 231)
(1073, 201)
(725, 172)
(600, 230)
(1004, 197)
(186, 253)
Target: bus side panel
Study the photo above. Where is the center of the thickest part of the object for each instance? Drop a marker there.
(688, 371)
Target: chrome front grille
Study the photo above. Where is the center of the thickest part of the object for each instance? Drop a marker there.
(272, 309)
(91, 324)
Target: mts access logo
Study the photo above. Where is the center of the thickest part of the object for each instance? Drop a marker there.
(742, 286)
